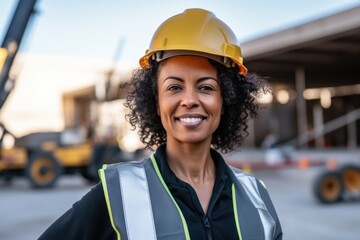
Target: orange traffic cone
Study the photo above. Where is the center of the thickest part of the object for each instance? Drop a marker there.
(303, 162)
(247, 168)
(331, 164)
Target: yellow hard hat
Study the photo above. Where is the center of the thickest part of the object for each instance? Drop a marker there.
(195, 32)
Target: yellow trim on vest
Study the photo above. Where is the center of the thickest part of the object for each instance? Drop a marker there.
(235, 210)
(262, 183)
(106, 194)
(186, 230)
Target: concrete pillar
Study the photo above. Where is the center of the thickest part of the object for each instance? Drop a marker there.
(301, 104)
(352, 135)
(319, 125)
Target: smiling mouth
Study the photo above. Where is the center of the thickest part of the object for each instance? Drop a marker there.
(191, 120)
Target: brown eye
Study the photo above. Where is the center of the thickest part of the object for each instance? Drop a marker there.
(174, 88)
(206, 88)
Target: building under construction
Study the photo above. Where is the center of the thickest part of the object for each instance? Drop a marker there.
(314, 71)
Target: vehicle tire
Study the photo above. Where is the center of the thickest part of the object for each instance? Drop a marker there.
(7, 178)
(328, 187)
(43, 170)
(350, 175)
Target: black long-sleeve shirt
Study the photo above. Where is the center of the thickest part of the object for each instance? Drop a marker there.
(89, 218)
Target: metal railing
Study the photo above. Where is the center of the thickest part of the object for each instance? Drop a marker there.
(325, 128)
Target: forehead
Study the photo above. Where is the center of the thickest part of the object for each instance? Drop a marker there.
(186, 65)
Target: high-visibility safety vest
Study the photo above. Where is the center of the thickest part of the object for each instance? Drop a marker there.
(141, 206)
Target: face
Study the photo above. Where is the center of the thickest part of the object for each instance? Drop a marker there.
(189, 99)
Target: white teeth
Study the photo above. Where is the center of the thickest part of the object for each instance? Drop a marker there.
(190, 120)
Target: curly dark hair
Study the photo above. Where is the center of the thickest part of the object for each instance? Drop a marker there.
(238, 92)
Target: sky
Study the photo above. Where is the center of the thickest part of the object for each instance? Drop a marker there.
(120, 31)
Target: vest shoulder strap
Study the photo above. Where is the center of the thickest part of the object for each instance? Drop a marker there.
(144, 209)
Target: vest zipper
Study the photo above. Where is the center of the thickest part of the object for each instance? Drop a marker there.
(207, 227)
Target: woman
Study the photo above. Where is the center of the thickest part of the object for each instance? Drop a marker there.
(192, 97)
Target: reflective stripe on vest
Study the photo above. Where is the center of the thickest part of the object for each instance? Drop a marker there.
(141, 206)
(249, 184)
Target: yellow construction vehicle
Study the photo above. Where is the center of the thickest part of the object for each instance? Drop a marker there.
(43, 157)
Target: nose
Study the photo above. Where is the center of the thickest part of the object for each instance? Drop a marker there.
(190, 98)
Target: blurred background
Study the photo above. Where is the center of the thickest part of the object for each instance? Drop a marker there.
(62, 114)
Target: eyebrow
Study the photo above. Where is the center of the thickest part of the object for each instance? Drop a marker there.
(199, 80)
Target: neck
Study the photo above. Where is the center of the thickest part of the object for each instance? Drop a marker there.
(192, 164)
